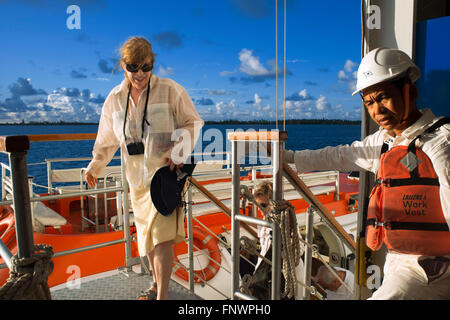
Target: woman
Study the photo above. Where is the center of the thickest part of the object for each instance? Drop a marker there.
(263, 195)
(142, 115)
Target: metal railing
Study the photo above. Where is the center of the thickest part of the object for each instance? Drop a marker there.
(16, 147)
(276, 255)
(22, 200)
(277, 142)
(18, 164)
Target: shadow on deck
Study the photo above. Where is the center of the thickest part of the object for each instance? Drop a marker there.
(115, 285)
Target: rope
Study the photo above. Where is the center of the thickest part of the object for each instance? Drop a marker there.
(283, 214)
(28, 276)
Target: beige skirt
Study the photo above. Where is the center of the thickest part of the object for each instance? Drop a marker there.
(151, 226)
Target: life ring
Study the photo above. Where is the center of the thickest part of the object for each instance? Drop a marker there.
(7, 224)
(202, 240)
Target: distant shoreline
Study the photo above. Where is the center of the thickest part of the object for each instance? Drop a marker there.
(259, 122)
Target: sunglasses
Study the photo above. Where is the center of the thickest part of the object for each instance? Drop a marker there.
(264, 205)
(135, 67)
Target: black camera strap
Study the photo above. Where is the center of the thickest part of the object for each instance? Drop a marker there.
(145, 111)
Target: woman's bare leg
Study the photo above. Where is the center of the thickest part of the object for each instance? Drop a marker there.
(151, 257)
(162, 267)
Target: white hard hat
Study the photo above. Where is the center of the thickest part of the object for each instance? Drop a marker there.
(382, 64)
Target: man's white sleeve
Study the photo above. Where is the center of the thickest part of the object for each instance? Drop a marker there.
(360, 155)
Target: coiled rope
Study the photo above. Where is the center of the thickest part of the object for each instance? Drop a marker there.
(28, 276)
(283, 214)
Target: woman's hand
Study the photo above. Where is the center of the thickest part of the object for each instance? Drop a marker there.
(90, 179)
(172, 165)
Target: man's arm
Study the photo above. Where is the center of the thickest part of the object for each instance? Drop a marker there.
(360, 155)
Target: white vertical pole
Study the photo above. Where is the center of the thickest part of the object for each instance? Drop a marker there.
(235, 225)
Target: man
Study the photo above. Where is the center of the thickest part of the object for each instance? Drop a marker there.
(409, 208)
(335, 289)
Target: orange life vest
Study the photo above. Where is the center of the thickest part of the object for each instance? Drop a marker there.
(405, 207)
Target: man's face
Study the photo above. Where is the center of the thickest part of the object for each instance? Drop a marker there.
(384, 102)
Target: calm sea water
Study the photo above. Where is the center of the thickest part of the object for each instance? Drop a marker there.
(299, 137)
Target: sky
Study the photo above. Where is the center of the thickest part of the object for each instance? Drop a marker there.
(222, 52)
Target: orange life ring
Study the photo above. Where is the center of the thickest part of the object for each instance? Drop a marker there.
(202, 240)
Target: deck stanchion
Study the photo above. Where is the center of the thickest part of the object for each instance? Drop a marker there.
(276, 261)
(277, 139)
(277, 147)
(191, 240)
(276, 170)
(3, 184)
(17, 147)
(308, 252)
(126, 216)
(235, 225)
(276, 255)
(21, 203)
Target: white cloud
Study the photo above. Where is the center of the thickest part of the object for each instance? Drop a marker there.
(303, 93)
(352, 86)
(63, 104)
(251, 65)
(296, 60)
(217, 92)
(258, 106)
(225, 109)
(322, 104)
(165, 71)
(226, 73)
(342, 76)
(267, 108)
(349, 65)
(349, 75)
(101, 79)
(258, 100)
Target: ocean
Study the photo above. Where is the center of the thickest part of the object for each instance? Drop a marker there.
(300, 136)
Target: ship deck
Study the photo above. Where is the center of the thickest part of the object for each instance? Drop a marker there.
(116, 285)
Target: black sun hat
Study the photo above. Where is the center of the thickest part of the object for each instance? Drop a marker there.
(167, 186)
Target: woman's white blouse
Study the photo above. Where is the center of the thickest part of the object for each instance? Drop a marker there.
(174, 126)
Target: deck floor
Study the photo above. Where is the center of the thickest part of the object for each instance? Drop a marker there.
(116, 285)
